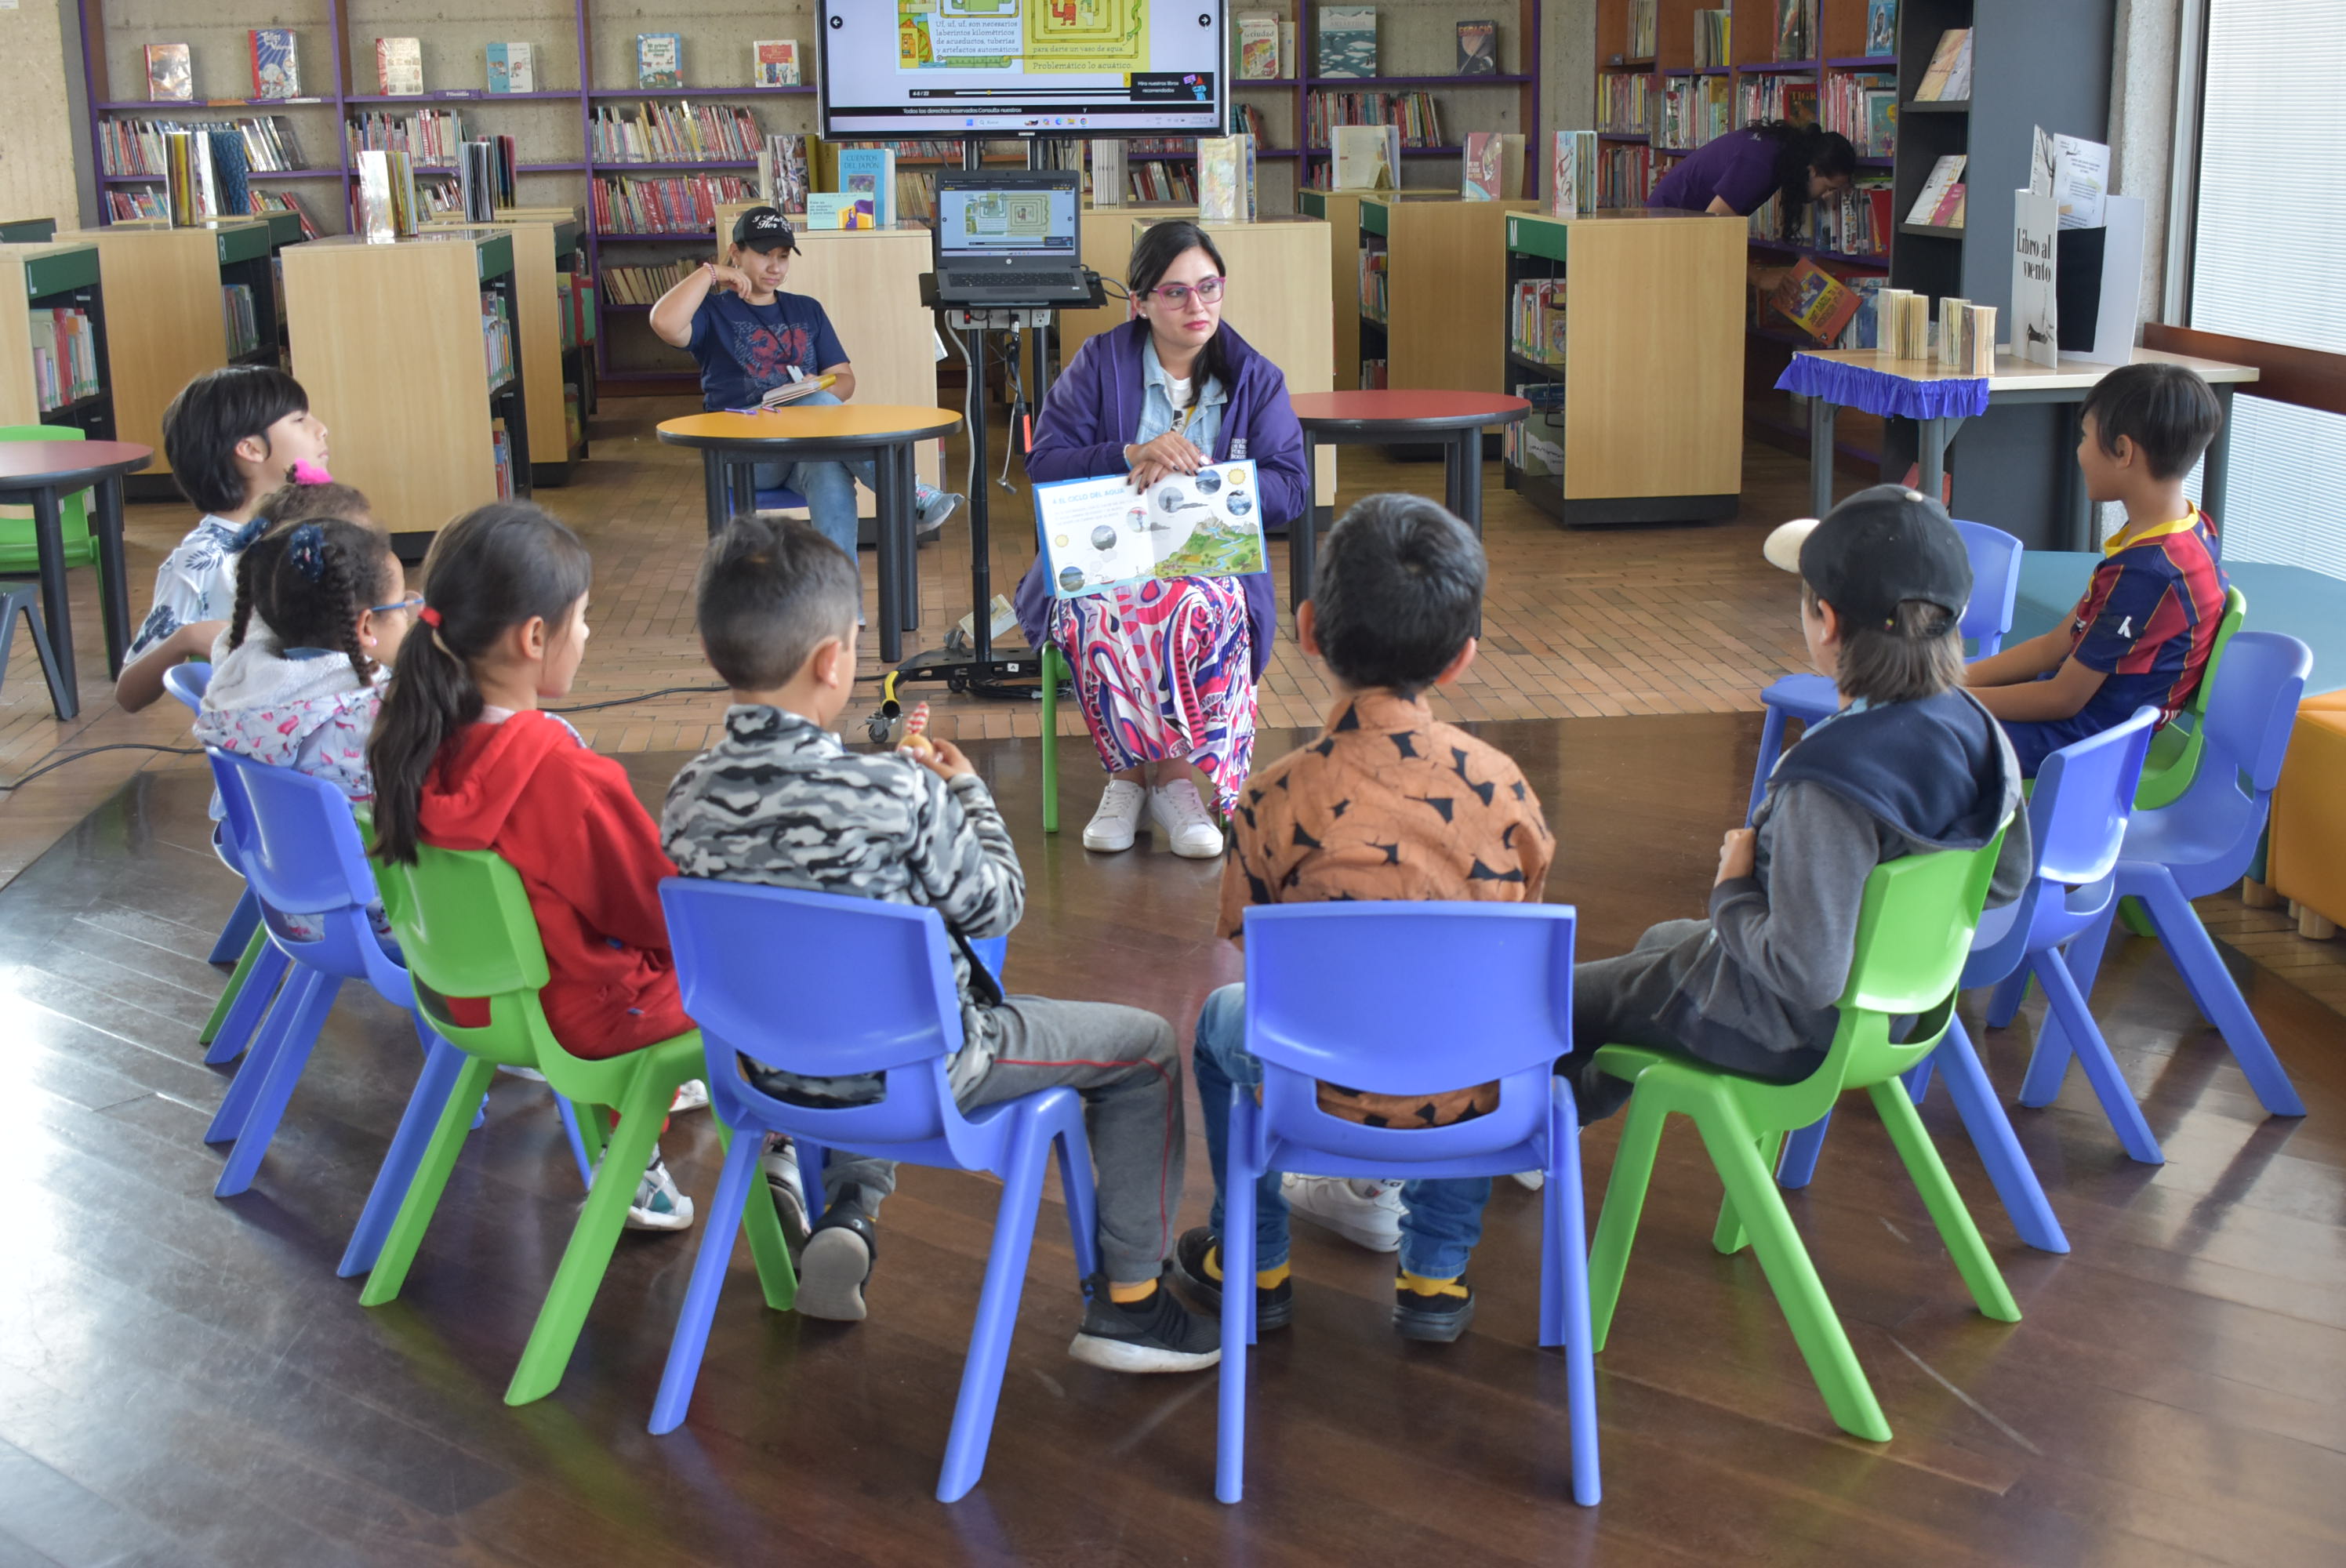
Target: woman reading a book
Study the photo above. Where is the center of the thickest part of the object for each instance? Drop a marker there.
(1734, 175)
(751, 339)
(1166, 670)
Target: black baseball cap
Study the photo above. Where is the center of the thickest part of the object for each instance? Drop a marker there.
(1874, 550)
(764, 229)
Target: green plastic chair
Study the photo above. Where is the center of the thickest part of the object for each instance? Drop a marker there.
(2174, 759)
(1913, 934)
(463, 922)
(19, 552)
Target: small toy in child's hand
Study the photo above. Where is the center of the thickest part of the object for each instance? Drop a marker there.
(307, 472)
(916, 738)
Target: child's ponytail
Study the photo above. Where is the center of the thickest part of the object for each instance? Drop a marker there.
(490, 570)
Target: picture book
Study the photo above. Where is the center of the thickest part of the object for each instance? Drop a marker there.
(1097, 534)
(1494, 166)
(1881, 26)
(782, 171)
(1367, 158)
(1796, 29)
(1944, 175)
(1348, 40)
(836, 209)
(1949, 213)
(399, 67)
(1564, 175)
(1948, 79)
(1109, 172)
(869, 176)
(1258, 59)
(512, 69)
(659, 59)
(790, 392)
(2035, 260)
(1814, 300)
(1226, 179)
(1478, 48)
(275, 72)
(2081, 180)
(171, 76)
(777, 60)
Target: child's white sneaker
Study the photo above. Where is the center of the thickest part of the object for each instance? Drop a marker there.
(660, 1205)
(1366, 1212)
(1113, 825)
(692, 1095)
(781, 1163)
(1181, 816)
(1532, 1180)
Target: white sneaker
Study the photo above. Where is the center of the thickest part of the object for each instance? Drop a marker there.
(1112, 826)
(781, 1163)
(690, 1095)
(1534, 1180)
(1367, 1213)
(1188, 831)
(660, 1205)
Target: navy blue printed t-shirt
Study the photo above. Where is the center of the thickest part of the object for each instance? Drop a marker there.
(744, 349)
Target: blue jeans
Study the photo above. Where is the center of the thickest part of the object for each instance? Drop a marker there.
(829, 488)
(1440, 1220)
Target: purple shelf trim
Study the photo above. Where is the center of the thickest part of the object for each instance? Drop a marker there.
(1359, 83)
(607, 165)
(455, 97)
(1623, 136)
(224, 105)
(690, 92)
(1875, 162)
(637, 237)
(251, 175)
(1878, 392)
(1865, 62)
(1779, 68)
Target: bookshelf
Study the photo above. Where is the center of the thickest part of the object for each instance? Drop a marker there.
(178, 277)
(412, 404)
(56, 275)
(1649, 429)
(1445, 261)
(557, 360)
(1340, 210)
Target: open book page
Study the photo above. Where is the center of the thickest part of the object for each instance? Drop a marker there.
(1101, 533)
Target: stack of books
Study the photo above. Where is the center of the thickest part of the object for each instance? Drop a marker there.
(65, 357)
(429, 137)
(684, 205)
(674, 133)
(136, 146)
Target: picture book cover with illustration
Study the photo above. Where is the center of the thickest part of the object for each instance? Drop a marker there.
(1478, 48)
(1098, 534)
(276, 73)
(659, 59)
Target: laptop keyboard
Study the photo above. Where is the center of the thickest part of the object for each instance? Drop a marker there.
(1009, 279)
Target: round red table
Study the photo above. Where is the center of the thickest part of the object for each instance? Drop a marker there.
(1390, 418)
(40, 475)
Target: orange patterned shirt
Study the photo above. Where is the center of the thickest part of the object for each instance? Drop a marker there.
(1388, 803)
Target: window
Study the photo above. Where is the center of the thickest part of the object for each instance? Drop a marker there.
(2268, 260)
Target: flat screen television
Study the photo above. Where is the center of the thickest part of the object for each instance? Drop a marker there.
(1074, 68)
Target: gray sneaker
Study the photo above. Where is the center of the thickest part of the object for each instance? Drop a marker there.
(933, 513)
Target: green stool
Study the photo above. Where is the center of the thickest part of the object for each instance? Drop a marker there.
(1914, 933)
(19, 553)
(463, 920)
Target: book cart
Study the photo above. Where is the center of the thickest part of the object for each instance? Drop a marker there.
(62, 275)
(1432, 309)
(428, 410)
(558, 355)
(180, 278)
(1637, 403)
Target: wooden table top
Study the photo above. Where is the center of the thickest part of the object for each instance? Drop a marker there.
(832, 424)
(1399, 406)
(23, 463)
(2022, 375)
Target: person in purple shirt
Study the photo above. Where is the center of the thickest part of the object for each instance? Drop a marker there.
(1734, 175)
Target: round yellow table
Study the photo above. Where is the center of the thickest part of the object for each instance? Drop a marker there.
(732, 445)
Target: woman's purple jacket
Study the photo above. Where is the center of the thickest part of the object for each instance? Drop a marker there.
(1093, 413)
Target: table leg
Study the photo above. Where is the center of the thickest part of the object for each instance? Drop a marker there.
(2217, 468)
(56, 605)
(1302, 543)
(114, 578)
(908, 579)
(892, 538)
(1469, 454)
(712, 482)
(1933, 476)
(1822, 414)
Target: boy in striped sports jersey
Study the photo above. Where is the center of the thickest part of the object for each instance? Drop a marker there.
(2142, 633)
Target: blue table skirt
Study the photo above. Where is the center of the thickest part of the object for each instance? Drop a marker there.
(1878, 392)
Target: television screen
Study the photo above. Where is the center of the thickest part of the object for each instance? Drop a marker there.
(1075, 68)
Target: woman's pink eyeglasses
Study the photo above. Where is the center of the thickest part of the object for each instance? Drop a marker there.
(1176, 295)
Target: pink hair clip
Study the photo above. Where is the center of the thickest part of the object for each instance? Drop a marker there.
(307, 472)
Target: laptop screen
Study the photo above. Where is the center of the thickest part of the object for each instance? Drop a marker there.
(1008, 219)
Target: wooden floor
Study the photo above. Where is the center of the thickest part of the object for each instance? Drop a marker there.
(183, 1380)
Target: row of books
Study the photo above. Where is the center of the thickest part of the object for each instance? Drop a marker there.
(135, 204)
(1774, 97)
(512, 66)
(1536, 318)
(1713, 32)
(485, 177)
(243, 323)
(674, 133)
(429, 137)
(683, 205)
(1863, 106)
(1940, 202)
(1625, 175)
(1694, 110)
(65, 357)
(385, 205)
(501, 456)
(1417, 115)
(1165, 182)
(1520, 444)
(574, 302)
(1857, 222)
(136, 146)
(1642, 35)
(497, 339)
(1373, 375)
(204, 175)
(1374, 302)
(644, 285)
(1623, 103)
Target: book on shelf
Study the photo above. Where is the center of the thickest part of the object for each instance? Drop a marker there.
(170, 74)
(1881, 26)
(1373, 284)
(644, 285)
(276, 70)
(1625, 175)
(1863, 106)
(1373, 375)
(783, 165)
(868, 175)
(1693, 110)
(1852, 222)
(1942, 177)
(1796, 29)
(1348, 40)
(1948, 79)
(837, 209)
(1248, 120)
(399, 67)
(1966, 344)
(237, 315)
(1536, 320)
(501, 458)
(1416, 114)
(497, 339)
(512, 68)
(65, 356)
(1712, 34)
(659, 59)
(777, 62)
(1366, 157)
(1494, 166)
(1164, 183)
(429, 137)
(136, 146)
(384, 207)
(1572, 174)
(1624, 103)
(1478, 48)
(1259, 56)
(686, 204)
(1108, 167)
(1814, 300)
(1642, 36)
(266, 201)
(1762, 98)
(477, 182)
(1903, 324)
(673, 132)
(1226, 179)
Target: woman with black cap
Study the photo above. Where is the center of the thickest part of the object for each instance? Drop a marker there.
(748, 336)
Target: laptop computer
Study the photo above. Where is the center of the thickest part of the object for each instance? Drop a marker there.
(1007, 237)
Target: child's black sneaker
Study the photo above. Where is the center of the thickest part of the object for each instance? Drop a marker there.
(1198, 1259)
(1155, 1334)
(1440, 1315)
(837, 1262)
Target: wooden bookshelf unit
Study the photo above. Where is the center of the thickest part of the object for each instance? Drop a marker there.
(407, 397)
(548, 243)
(58, 275)
(1445, 272)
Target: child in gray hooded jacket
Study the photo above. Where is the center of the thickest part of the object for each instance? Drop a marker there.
(1911, 763)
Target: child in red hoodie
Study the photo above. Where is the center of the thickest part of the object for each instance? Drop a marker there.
(464, 760)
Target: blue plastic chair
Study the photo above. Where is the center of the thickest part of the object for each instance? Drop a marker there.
(1491, 999)
(1812, 698)
(2201, 844)
(830, 985)
(2076, 817)
(189, 682)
